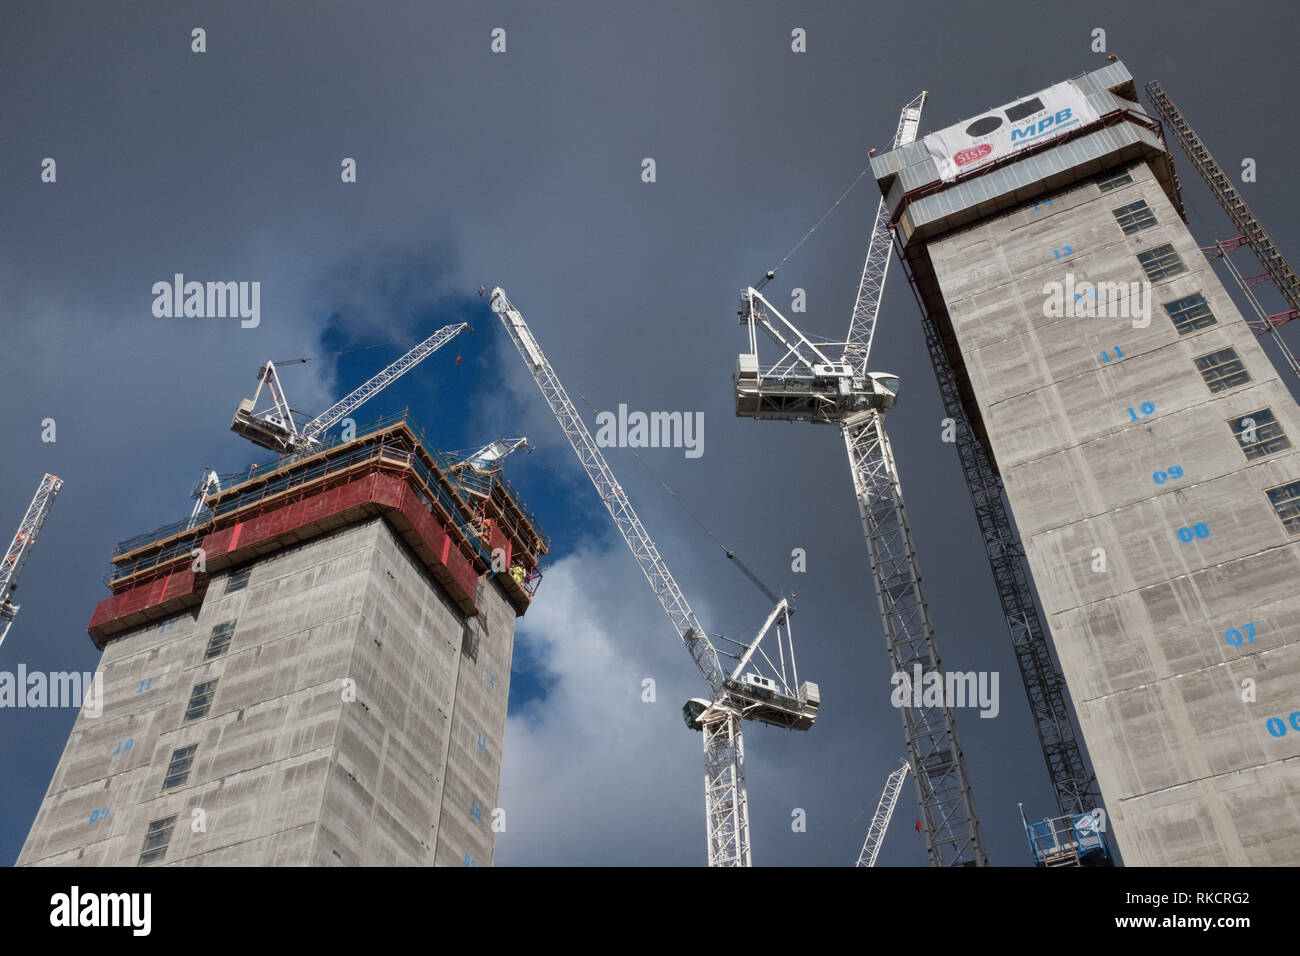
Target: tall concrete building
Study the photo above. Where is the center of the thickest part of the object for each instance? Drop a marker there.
(316, 673)
(1147, 447)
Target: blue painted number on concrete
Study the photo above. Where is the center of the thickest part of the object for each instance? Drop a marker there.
(1146, 408)
(1237, 637)
(1278, 729)
(1174, 472)
(99, 815)
(1198, 530)
(124, 745)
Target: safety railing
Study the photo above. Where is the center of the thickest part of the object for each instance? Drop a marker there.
(387, 452)
(294, 478)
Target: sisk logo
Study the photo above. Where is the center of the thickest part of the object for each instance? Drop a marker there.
(965, 157)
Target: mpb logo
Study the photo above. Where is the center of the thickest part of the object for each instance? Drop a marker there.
(1060, 118)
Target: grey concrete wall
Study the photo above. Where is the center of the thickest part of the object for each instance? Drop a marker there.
(287, 772)
(474, 763)
(1189, 772)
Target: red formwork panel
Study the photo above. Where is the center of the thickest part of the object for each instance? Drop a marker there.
(314, 507)
(256, 530)
(390, 492)
(218, 542)
(289, 517)
(456, 562)
(500, 539)
(426, 525)
(468, 577)
(131, 605)
(463, 571)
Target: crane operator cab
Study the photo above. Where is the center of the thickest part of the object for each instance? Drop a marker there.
(692, 710)
(885, 385)
(857, 389)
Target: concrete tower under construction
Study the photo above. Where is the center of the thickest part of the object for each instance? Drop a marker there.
(314, 672)
(1147, 448)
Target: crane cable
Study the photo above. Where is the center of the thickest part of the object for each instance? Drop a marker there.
(360, 348)
(336, 354)
(767, 592)
(771, 273)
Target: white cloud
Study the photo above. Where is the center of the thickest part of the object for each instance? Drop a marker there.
(592, 774)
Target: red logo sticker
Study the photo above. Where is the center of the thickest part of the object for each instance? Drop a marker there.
(965, 157)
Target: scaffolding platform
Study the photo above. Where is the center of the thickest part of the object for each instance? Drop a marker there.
(388, 470)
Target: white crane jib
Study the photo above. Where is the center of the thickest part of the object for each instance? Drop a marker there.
(736, 695)
(493, 452)
(206, 485)
(274, 427)
(884, 813)
(475, 470)
(20, 548)
(871, 287)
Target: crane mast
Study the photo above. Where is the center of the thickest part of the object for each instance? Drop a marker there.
(274, 427)
(805, 386)
(952, 828)
(743, 693)
(1252, 231)
(1270, 257)
(20, 548)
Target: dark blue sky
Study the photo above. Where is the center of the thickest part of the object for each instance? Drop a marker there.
(523, 169)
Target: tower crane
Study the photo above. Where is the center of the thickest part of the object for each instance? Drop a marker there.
(274, 427)
(474, 473)
(20, 549)
(884, 812)
(487, 458)
(1252, 230)
(209, 483)
(756, 687)
(810, 383)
